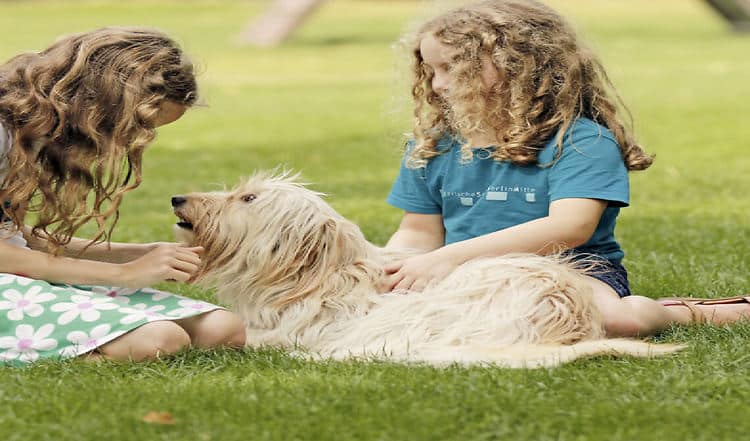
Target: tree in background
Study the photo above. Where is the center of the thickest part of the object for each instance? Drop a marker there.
(737, 12)
(279, 21)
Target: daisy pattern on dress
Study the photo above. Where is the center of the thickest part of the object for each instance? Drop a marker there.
(25, 304)
(141, 311)
(119, 295)
(190, 307)
(83, 342)
(86, 306)
(156, 295)
(6, 279)
(27, 342)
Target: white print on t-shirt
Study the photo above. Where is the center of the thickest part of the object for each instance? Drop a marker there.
(500, 192)
(511, 188)
(496, 195)
(493, 193)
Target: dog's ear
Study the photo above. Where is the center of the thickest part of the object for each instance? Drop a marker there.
(325, 252)
(342, 239)
(326, 246)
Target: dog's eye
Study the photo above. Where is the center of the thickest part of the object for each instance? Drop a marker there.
(248, 197)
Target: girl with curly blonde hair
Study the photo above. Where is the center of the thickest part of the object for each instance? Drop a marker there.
(521, 145)
(75, 119)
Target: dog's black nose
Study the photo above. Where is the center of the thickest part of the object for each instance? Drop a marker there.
(178, 200)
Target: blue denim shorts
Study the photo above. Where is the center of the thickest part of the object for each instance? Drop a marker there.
(613, 274)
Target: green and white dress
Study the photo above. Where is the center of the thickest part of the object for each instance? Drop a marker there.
(41, 320)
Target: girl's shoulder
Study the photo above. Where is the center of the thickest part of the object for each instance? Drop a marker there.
(448, 142)
(445, 143)
(583, 128)
(444, 147)
(585, 139)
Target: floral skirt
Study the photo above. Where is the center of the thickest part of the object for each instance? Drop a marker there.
(43, 320)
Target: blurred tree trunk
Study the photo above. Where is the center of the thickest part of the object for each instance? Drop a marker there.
(737, 12)
(278, 22)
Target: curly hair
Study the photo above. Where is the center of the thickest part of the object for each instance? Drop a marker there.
(547, 79)
(80, 113)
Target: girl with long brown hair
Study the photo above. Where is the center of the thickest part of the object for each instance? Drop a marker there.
(75, 119)
(520, 145)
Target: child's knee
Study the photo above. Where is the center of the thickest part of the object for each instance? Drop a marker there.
(220, 328)
(622, 325)
(168, 338)
(234, 331)
(148, 342)
(629, 316)
(636, 317)
(238, 336)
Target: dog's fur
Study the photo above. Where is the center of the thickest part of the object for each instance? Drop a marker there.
(303, 277)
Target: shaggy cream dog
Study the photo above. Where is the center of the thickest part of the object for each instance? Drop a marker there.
(304, 278)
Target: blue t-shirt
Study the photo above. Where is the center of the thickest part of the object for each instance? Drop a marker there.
(482, 196)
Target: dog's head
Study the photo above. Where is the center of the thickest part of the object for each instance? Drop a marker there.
(269, 228)
(244, 211)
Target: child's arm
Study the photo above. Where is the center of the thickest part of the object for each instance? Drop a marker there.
(113, 252)
(570, 223)
(167, 262)
(419, 231)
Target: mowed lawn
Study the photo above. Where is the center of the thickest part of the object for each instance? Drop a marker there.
(331, 103)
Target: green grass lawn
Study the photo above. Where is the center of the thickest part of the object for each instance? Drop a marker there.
(331, 104)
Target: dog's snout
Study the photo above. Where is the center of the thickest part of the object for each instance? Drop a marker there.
(178, 200)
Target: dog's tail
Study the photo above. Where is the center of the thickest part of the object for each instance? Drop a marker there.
(539, 356)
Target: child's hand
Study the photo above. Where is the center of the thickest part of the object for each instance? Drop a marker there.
(132, 251)
(166, 261)
(146, 248)
(415, 273)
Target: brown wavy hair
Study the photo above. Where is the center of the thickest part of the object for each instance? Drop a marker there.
(80, 113)
(548, 79)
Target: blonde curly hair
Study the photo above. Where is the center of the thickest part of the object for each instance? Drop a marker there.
(548, 79)
(80, 114)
